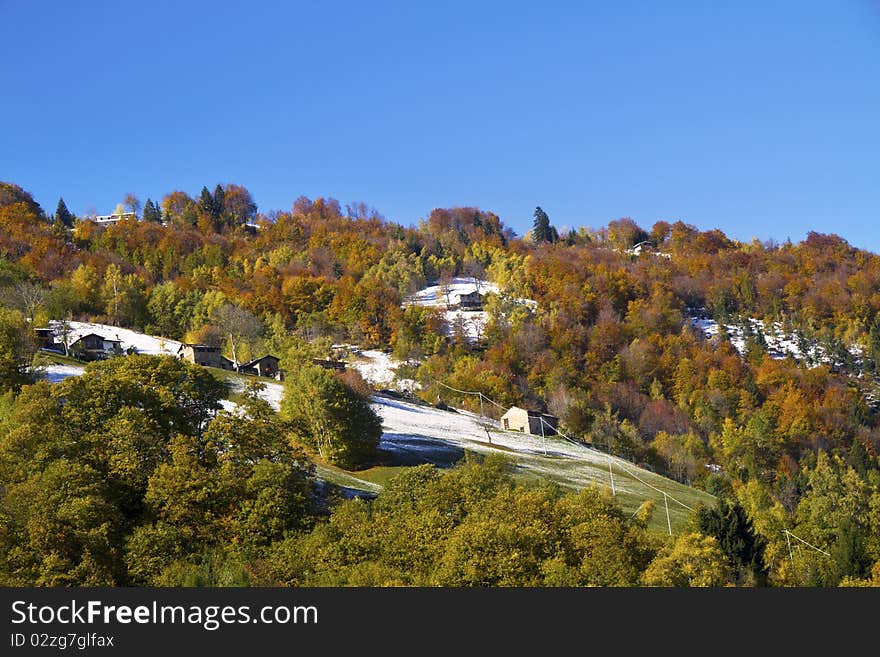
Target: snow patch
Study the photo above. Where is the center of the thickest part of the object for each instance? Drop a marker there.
(380, 370)
(140, 342)
(472, 323)
(780, 344)
(57, 373)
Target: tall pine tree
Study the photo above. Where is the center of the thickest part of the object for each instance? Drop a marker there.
(206, 203)
(542, 231)
(62, 214)
(219, 201)
(737, 538)
(152, 212)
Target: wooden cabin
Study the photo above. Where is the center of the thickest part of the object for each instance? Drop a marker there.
(533, 422)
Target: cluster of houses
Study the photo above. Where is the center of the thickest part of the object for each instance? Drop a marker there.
(211, 356)
(94, 346)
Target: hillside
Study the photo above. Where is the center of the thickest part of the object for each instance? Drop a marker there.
(747, 369)
(416, 433)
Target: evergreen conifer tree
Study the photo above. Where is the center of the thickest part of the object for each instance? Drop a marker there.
(63, 215)
(542, 231)
(859, 459)
(152, 212)
(206, 203)
(219, 202)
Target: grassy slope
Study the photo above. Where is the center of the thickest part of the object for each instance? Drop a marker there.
(570, 474)
(531, 467)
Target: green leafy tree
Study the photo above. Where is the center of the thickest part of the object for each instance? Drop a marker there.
(330, 417)
(505, 542)
(171, 309)
(693, 560)
(17, 349)
(834, 515)
(128, 475)
(124, 297)
(60, 529)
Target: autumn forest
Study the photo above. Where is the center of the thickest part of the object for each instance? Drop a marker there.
(133, 474)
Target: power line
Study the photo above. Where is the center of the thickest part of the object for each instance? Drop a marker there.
(809, 545)
(470, 392)
(575, 442)
(627, 470)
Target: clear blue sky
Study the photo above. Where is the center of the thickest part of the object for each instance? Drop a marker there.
(761, 118)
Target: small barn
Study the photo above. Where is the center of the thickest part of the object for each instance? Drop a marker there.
(534, 422)
(203, 354)
(95, 347)
(46, 339)
(267, 366)
(470, 301)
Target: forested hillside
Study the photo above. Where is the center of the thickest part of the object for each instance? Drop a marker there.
(131, 475)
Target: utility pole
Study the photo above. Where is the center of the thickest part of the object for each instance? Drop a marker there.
(611, 474)
(543, 438)
(668, 521)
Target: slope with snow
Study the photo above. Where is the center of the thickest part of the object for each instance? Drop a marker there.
(139, 342)
(56, 373)
(471, 323)
(779, 343)
(379, 369)
(417, 433)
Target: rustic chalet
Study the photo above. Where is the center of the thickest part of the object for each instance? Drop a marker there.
(534, 422)
(203, 354)
(267, 366)
(95, 347)
(471, 301)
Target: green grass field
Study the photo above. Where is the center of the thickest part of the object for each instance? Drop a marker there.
(630, 493)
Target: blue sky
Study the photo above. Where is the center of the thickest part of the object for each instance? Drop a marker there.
(759, 118)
